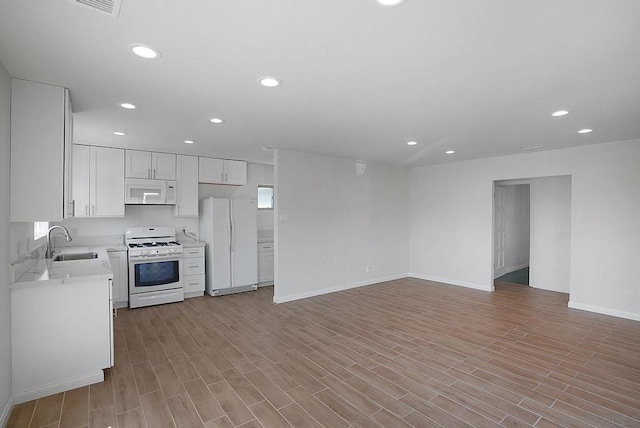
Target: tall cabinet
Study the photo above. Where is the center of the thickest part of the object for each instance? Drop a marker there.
(186, 186)
(98, 181)
(41, 135)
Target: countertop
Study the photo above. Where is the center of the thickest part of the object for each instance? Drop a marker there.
(47, 272)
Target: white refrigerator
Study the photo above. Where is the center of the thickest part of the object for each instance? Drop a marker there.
(229, 227)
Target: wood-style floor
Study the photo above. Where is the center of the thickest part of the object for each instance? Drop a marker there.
(398, 354)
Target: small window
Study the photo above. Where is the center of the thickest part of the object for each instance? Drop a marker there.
(40, 229)
(265, 197)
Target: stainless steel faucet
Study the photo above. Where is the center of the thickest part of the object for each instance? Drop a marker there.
(50, 242)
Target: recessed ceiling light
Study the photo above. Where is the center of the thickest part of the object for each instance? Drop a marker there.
(560, 113)
(269, 82)
(128, 106)
(450, 152)
(189, 141)
(585, 131)
(535, 146)
(411, 143)
(119, 133)
(390, 3)
(145, 51)
(216, 120)
(267, 148)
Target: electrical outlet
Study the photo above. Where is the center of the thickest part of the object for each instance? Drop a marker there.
(367, 268)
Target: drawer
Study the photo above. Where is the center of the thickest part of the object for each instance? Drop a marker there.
(189, 253)
(265, 247)
(193, 266)
(193, 283)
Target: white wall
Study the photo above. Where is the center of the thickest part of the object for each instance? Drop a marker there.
(339, 222)
(451, 220)
(6, 398)
(551, 225)
(83, 229)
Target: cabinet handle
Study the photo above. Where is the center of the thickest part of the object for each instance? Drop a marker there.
(149, 173)
(222, 177)
(93, 209)
(73, 208)
(226, 177)
(86, 210)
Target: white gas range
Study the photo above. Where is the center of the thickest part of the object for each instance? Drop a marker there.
(155, 266)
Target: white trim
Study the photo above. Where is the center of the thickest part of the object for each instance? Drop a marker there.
(55, 388)
(604, 311)
(4, 419)
(449, 281)
(328, 290)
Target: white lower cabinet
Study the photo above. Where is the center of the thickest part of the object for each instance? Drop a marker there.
(193, 265)
(62, 336)
(120, 268)
(265, 264)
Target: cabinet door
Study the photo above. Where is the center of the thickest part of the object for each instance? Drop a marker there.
(108, 185)
(114, 259)
(37, 152)
(81, 179)
(68, 155)
(211, 171)
(163, 166)
(265, 266)
(138, 164)
(186, 186)
(235, 172)
(118, 260)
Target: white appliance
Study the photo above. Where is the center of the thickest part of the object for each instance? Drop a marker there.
(229, 227)
(152, 192)
(155, 266)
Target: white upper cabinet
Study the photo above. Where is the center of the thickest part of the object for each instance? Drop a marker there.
(138, 164)
(223, 171)
(159, 166)
(235, 172)
(41, 134)
(164, 166)
(98, 181)
(211, 170)
(186, 186)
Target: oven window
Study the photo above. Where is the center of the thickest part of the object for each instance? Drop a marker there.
(156, 273)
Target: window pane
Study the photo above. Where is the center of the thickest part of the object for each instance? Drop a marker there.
(40, 229)
(265, 198)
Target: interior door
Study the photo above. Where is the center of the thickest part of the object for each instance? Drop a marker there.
(220, 244)
(244, 246)
(500, 230)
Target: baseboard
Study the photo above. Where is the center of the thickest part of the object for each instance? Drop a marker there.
(604, 311)
(55, 388)
(452, 282)
(4, 419)
(292, 297)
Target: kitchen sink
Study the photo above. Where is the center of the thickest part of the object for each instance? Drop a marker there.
(75, 256)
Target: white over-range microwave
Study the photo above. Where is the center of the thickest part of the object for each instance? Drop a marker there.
(152, 192)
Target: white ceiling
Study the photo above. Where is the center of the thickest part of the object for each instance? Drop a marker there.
(359, 80)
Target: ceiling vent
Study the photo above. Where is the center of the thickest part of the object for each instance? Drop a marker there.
(110, 7)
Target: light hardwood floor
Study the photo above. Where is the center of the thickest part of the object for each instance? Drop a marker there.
(398, 354)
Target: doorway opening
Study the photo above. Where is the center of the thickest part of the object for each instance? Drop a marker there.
(512, 231)
(532, 232)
